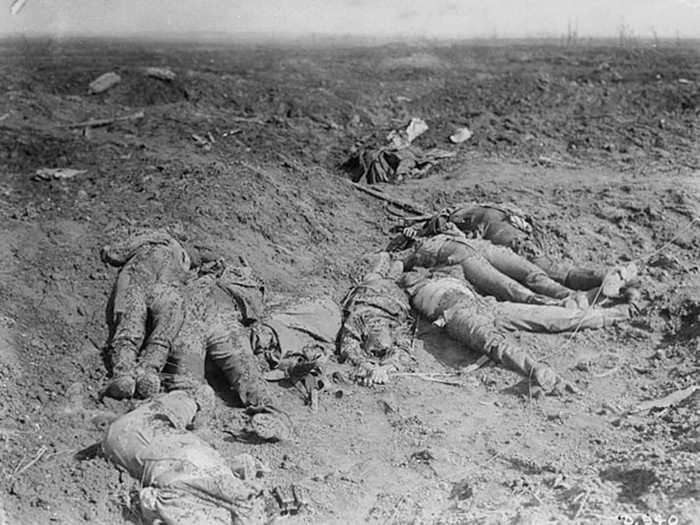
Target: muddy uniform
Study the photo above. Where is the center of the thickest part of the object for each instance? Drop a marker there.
(216, 312)
(184, 480)
(375, 315)
(299, 331)
(492, 270)
(153, 266)
(483, 324)
(508, 226)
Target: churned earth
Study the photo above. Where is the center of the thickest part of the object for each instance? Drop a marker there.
(600, 143)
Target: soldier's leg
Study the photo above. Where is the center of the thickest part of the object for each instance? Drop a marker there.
(520, 269)
(129, 326)
(574, 277)
(555, 319)
(166, 319)
(186, 361)
(229, 348)
(470, 324)
(490, 281)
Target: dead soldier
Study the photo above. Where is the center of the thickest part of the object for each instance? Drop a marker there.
(508, 226)
(152, 266)
(443, 296)
(492, 270)
(375, 316)
(217, 309)
(184, 481)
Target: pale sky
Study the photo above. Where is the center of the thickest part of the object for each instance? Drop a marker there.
(434, 18)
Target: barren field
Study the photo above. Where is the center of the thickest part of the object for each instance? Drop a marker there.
(601, 144)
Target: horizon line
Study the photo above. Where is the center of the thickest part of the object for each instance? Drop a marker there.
(292, 35)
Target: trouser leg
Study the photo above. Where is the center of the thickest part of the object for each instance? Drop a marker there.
(234, 356)
(166, 319)
(478, 331)
(520, 269)
(129, 323)
(571, 276)
(555, 319)
(490, 281)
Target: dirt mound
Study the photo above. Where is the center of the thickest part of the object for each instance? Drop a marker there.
(137, 90)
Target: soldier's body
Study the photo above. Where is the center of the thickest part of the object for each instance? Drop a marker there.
(216, 312)
(482, 323)
(183, 479)
(375, 315)
(152, 267)
(492, 270)
(507, 226)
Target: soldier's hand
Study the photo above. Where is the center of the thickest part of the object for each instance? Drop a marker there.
(368, 374)
(411, 232)
(380, 376)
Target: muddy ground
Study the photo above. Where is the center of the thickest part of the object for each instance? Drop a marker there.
(600, 143)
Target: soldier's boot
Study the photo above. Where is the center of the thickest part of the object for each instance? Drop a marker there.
(147, 382)
(266, 421)
(154, 358)
(618, 279)
(122, 385)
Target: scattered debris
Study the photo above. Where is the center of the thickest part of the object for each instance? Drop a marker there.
(400, 139)
(251, 120)
(17, 6)
(667, 401)
(549, 161)
(388, 164)
(422, 456)
(291, 500)
(391, 200)
(103, 83)
(665, 261)
(482, 361)
(97, 123)
(388, 408)
(203, 142)
(248, 467)
(57, 173)
(432, 377)
(161, 73)
(40, 454)
(461, 490)
(397, 160)
(461, 135)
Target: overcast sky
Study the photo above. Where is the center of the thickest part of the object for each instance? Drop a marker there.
(448, 18)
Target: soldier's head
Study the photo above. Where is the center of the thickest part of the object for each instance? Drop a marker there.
(263, 338)
(379, 339)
